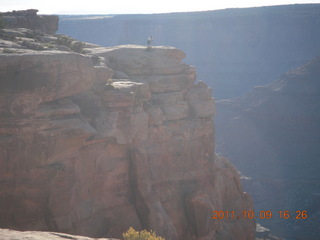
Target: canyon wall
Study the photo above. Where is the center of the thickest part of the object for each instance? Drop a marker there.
(270, 133)
(94, 144)
(232, 49)
(278, 125)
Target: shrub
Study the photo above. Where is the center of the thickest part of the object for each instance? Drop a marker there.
(132, 234)
(69, 42)
(48, 45)
(65, 41)
(9, 50)
(2, 22)
(77, 46)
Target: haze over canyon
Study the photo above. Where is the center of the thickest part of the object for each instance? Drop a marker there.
(99, 132)
(262, 64)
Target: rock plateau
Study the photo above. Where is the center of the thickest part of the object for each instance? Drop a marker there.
(232, 49)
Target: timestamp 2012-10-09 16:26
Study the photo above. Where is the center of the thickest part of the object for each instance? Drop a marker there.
(250, 214)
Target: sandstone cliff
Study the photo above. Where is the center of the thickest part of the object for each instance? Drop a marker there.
(272, 135)
(29, 19)
(232, 49)
(93, 144)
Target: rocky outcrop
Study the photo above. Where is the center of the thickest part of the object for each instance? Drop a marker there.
(272, 135)
(29, 19)
(94, 147)
(232, 49)
(30, 79)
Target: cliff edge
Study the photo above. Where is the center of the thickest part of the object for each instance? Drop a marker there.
(94, 143)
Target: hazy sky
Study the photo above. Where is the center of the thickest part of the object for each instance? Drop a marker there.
(134, 6)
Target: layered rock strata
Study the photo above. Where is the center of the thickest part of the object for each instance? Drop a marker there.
(29, 19)
(92, 150)
(232, 49)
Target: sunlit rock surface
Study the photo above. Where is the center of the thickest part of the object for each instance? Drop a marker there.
(232, 49)
(94, 144)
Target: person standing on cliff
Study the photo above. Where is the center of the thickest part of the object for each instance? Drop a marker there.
(149, 41)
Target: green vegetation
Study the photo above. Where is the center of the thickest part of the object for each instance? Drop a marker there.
(132, 234)
(64, 40)
(2, 22)
(72, 44)
(9, 50)
(48, 45)
(77, 46)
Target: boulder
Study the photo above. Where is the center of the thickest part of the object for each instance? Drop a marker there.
(179, 110)
(199, 92)
(103, 75)
(37, 77)
(125, 94)
(139, 60)
(167, 98)
(29, 19)
(202, 109)
(156, 117)
(169, 83)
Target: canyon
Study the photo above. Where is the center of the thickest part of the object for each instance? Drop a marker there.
(278, 125)
(95, 142)
(233, 50)
(259, 63)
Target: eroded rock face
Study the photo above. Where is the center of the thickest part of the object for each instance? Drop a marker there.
(233, 50)
(30, 79)
(29, 19)
(92, 154)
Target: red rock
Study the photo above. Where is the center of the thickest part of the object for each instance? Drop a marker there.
(138, 60)
(96, 161)
(155, 115)
(125, 94)
(33, 78)
(179, 110)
